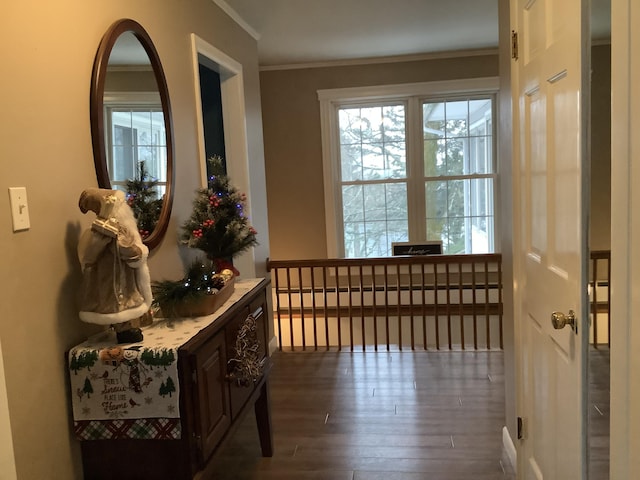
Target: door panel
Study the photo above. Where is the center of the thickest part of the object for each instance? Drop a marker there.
(213, 406)
(549, 111)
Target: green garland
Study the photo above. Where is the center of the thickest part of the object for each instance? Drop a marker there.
(201, 279)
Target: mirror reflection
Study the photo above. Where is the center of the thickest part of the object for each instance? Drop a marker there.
(131, 129)
(135, 132)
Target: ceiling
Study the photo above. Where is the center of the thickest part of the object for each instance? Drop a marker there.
(315, 31)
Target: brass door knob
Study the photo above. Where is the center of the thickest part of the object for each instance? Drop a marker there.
(559, 320)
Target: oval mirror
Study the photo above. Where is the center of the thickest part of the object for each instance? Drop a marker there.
(131, 126)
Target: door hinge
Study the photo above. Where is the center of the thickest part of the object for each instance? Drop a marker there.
(520, 428)
(194, 377)
(514, 44)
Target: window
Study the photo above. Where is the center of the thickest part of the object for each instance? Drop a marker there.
(410, 167)
(136, 134)
(373, 182)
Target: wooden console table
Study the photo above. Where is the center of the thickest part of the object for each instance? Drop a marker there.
(211, 394)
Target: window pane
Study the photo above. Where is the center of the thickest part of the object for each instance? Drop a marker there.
(435, 163)
(396, 200)
(377, 212)
(375, 239)
(352, 203)
(435, 228)
(480, 144)
(433, 120)
(436, 200)
(456, 198)
(466, 129)
(454, 241)
(351, 162)
(395, 160)
(354, 239)
(373, 162)
(124, 163)
(156, 162)
(393, 123)
(375, 202)
(372, 143)
(157, 126)
(455, 155)
(371, 124)
(479, 116)
(480, 155)
(349, 119)
(456, 116)
(460, 213)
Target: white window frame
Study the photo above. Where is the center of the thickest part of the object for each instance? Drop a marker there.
(331, 100)
(135, 100)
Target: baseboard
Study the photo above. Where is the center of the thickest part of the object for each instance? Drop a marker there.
(510, 448)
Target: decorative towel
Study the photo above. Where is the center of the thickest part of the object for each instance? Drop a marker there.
(132, 390)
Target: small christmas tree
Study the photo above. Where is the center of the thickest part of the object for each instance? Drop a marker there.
(142, 197)
(218, 225)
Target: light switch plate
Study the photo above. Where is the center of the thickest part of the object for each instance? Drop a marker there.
(19, 208)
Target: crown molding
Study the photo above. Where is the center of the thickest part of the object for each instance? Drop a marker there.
(236, 17)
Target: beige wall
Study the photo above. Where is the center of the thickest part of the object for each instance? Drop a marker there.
(47, 51)
(293, 151)
(132, 81)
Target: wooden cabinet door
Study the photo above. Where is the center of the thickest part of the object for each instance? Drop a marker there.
(213, 415)
(241, 391)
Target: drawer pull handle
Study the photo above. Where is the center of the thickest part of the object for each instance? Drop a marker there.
(246, 367)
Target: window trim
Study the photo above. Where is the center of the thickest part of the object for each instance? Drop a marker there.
(332, 99)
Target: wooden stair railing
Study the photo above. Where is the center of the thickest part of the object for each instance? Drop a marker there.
(428, 302)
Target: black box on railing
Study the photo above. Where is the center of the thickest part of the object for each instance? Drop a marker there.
(412, 248)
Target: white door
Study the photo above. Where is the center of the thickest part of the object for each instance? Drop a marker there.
(549, 111)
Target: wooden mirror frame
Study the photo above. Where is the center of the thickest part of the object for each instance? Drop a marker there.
(98, 79)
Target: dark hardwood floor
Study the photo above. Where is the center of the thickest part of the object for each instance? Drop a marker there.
(378, 416)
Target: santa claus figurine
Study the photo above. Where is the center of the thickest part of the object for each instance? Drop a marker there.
(116, 287)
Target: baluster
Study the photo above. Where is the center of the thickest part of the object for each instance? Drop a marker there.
(386, 303)
(461, 303)
(302, 319)
(350, 293)
(338, 317)
(276, 276)
(499, 267)
(364, 342)
(475, 304)
(313, 307)
(326, 306)
(375, 310)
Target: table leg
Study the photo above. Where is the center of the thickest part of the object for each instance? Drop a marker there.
(263, 420)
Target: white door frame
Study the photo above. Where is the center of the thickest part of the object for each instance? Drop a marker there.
(625, 240)
(235, 132)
